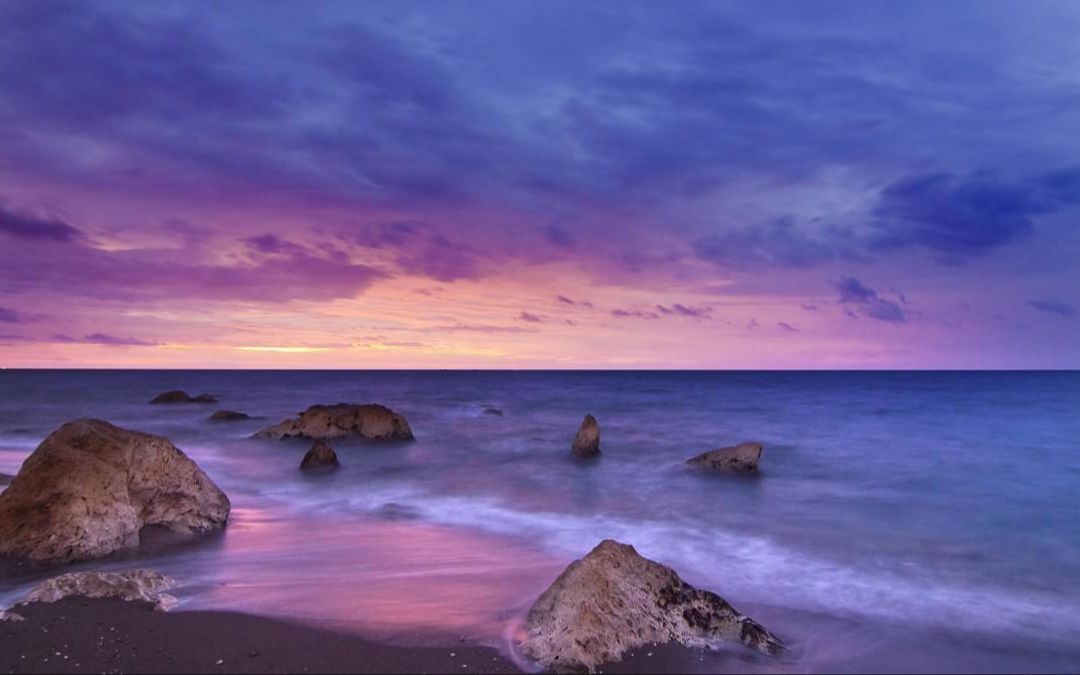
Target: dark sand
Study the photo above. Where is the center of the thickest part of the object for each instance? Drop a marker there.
(77, 635)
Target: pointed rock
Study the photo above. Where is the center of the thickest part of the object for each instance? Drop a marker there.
(613, 600)
(320, 456)
(587, 440)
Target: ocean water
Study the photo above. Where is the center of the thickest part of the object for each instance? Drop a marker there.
(907, 521)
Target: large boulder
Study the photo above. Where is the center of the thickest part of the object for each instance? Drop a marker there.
(614, 600)
(587, 440)
(90, 487)
(182, 397)
(130, 586)
(320, 456)
(345, 420)
(227, 416)
(741, 458)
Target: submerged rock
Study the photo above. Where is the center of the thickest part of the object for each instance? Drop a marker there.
(587, 440)
(130, 586)
(493, 412)
(614, 600)
(371, 422)
(228, 416)
(320, 456)
(741, 458)
(182, 397)
(90, 487)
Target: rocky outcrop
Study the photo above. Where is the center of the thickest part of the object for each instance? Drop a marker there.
(493, 412)
(587, 440)
(614, 600)
(182, 397)
(130, 586)
(90, 487)
(228, 416)
(741, 458)
(320, 456)
(372, 422)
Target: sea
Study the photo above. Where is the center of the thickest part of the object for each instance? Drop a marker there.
(900, 521)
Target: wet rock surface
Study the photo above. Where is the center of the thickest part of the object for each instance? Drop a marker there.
(130, 586)
(320, 456)
(614, 600)
(587, 440)
(371, 422)
(741, 458)
(181, 397)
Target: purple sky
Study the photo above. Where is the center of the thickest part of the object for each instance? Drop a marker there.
(540, 184)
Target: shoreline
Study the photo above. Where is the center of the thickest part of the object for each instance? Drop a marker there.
(80, 635)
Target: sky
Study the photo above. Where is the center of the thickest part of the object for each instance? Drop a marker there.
(540, 184)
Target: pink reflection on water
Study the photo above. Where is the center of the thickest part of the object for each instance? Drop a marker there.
(405, 579)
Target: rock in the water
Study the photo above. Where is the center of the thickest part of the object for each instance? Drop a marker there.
(183, 397)
(320, 456)
(90, 487)
(372, 422)
(493, 412)
(395, 511)
(614, 600)
(742, 458)
(130, 586)
(5, 479)
(587, 441)
(227, 416)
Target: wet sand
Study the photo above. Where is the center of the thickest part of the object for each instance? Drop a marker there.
(78, 635)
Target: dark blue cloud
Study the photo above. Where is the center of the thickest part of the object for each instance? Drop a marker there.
(26, 226)
(867, 301)
(104, 339)
(1055, 307)
(9, 316)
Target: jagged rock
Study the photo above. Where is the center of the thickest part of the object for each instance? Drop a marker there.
(614, 600)
(11, 617)
(182, 397)
(130, 586)
(587, 440)
(493, 412)
(90, 487)
(742, 458)
(227, 416)
(372, 422)
(320, 456)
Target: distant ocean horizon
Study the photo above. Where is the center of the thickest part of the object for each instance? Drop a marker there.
(902, 520)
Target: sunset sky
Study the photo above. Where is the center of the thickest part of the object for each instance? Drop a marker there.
(540, 185)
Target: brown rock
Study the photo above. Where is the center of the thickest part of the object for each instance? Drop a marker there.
(228, 416)
(90, 487)
(587, 440)
(5, 479)
(613, 600)
(130, 586)
(182, 397)
(344, 420)
(320, 456)
(741, 458)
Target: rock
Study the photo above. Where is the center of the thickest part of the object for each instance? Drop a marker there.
(227, 416)
(5, 479)
(11, 617)
(130, 586)
(587, 441)
(742, 458)
(395, 511)
(493, 412)
(614, 600)
(372, 422)
(182, 397)
(90, 487)
(320, 456)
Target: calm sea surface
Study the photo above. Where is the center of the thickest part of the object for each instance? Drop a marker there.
(901, 521)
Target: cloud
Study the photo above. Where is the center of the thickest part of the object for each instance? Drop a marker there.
(783, 325)
(633, 313)
(1061, 309)
(103, 339)
(529, 318)
(478, 328)
(867, 301)
(9, 316)
(559, 237)
(957, 217)
(271, 244)
(779, 242)
(683, 310)
(26, 226)
(562, 299)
